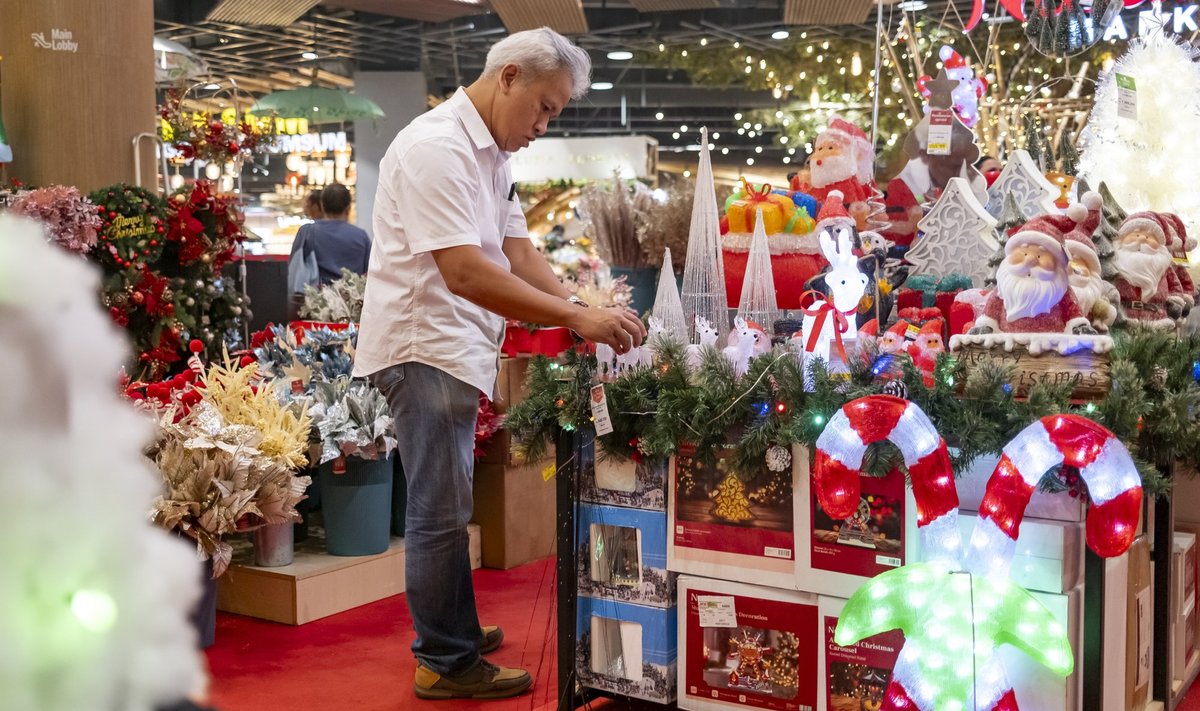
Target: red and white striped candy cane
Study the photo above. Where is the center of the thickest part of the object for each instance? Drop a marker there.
(1113, 483)
(876, 418)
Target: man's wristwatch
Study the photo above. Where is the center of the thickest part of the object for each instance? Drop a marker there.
(573, 299)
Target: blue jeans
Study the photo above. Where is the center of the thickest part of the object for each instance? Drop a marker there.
(435, 429)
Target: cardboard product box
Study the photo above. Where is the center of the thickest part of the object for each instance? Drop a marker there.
(1139, 626)
(1115, 633)
(1049, 554)
(626, 649)
(746, 647)
(835, 556)
(1183, 638)
(1184, 570)
(852, 677)
(730, 527)
(514, 506)
(510, 382)
(619, 481)
(1036, 686)
(1060, 506)
(622, 555)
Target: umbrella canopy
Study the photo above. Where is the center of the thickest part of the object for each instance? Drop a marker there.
(174, 63)
(318, 105)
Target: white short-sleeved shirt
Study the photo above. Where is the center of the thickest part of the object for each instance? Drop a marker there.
(443, 183)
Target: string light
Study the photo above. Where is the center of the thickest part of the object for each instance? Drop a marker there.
(703, 41)
(749, 161)
(659, 115)
(856, 64)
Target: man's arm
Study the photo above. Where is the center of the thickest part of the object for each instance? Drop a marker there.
(531, 267)
(471, 275)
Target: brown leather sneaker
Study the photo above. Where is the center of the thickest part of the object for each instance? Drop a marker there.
(485, 681)
(492, 637)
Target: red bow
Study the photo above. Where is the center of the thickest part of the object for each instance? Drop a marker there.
(840, 323)
(753, 195)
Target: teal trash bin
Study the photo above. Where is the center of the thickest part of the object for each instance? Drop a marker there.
(357, 506)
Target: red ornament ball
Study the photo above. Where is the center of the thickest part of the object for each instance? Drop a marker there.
(112, 215)
(245, 361)
(196, 345)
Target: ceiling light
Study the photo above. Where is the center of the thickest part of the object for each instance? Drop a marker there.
(724, 151)
(659, 115)
(780, 34)
(309, 55)
(758, 149)
(703, 41)
(620, 55)
(913, 5)
(683, 128)
(749, 161)
(602, 85)
(737, 116)
(687, 173)
(675, 135)
(787, 160)
(716, 135)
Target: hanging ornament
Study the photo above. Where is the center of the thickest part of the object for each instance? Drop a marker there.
(896, 388)
(1159, 378)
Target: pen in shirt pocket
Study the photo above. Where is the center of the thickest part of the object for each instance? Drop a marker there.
(512, 192)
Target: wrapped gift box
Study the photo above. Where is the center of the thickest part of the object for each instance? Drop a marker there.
(835, 556)
(1049, 554)
(746, 647)
(626, 649)
(730, 527)
(619, 481)
(622, 555)
(858, 674)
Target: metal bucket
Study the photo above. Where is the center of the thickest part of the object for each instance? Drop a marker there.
(274, 545)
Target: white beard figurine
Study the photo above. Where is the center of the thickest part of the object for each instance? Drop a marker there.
(1094, 295)
(1142, 260)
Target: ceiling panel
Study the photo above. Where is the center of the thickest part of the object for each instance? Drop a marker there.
(565, 16)
(826, 12)
(673, 5)
(420, 10)
(276, 13)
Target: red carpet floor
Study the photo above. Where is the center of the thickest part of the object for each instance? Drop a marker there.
(360, 660)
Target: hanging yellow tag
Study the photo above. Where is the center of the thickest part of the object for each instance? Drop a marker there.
(548, 472)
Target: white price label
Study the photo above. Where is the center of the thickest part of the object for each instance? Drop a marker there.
(1126, 97)
(773, 552)
(600, 415)
(716, 611)
(941, 131)
(887, 560)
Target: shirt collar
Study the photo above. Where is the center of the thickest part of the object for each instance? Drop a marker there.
(473, 122)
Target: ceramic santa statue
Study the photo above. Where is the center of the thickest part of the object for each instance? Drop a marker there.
(1181, 283)
(1097, 299)
(895, 339)
(1142, 260)
(843, 160)
(1033, 293)
(926, 348)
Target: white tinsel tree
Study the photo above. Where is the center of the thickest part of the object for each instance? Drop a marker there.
(667, 306)
(1151, 162)
(758, 302)
(93, 598)
(704, 271)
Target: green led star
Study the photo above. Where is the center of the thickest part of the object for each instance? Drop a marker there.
(943, 615)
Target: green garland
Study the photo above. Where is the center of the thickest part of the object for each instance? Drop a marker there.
(1151, 405)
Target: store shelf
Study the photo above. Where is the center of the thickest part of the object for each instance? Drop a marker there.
(1180, 686)
(316, 584)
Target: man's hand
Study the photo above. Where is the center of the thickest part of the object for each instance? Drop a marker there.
(618, 328)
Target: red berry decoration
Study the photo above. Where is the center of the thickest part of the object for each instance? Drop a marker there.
(196, 345)
(112, 215)
(245, 361)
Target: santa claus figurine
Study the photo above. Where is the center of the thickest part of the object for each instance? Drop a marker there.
(1142, 260)
(1097, 298)
(895, 339)
(1032, 293)
(843, 160)
(1181, 284)
(925, 349)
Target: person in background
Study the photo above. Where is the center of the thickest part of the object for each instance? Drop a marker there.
(336, 243)
(452, 261)
(312, 205)
(990, 168)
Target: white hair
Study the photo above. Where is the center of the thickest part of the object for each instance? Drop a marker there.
(542, 51)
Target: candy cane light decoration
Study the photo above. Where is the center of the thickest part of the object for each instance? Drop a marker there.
(954, 618)
(1112, 479)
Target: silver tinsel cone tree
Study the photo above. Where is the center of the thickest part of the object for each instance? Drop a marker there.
(758, 302)
(704, 274)
(668, 308)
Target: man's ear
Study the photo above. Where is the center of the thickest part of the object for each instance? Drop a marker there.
(508, 77)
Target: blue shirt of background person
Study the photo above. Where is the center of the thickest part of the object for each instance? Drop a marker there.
(335, 242)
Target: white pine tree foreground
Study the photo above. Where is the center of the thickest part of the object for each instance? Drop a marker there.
(758, 301)
(704, 272)
(93, 597)
(667, 306)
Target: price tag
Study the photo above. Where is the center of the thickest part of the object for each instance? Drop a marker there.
(716, 611)
(600, 415)
(1126, 97)
(941, 127)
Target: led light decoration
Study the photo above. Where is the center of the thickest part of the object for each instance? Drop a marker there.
(957, 607)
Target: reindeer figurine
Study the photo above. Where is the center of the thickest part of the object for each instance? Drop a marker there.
(830, 319)
(740, 350)
(707, 335)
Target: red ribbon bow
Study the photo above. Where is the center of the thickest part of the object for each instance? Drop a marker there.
(840, 323)
(752, 195)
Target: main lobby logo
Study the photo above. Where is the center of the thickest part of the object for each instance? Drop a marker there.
(59, 41)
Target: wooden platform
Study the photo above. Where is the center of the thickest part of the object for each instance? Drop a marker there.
(316, 584)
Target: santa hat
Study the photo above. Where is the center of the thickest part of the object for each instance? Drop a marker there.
(870, 329)
(1144, 222)
(1078, 240)
(1047, 231)
(951, 59)
(933, 327)
(899, 329)
(1182, 242)
(833, 211)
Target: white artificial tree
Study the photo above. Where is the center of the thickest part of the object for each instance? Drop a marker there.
(758, 301)
(94, 599)
(704, 273)
(668, 308)
(958, 237)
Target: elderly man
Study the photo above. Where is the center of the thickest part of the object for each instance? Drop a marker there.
(451, 260)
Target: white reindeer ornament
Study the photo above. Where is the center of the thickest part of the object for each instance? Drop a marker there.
(830, 319)
(741, 349)
(706, 334)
